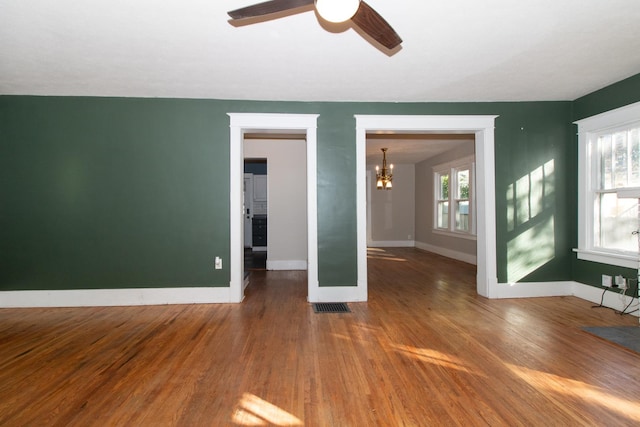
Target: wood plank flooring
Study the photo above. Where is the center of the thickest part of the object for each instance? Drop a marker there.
(425, 350)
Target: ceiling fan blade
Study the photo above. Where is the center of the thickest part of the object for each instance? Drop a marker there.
(267, 8)
(375, 26)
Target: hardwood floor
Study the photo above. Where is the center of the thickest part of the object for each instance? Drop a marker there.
(425, 350)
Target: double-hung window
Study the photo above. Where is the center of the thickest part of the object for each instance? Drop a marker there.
(609, 186)
(454, 197)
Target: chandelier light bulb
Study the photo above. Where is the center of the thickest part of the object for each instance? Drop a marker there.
(337, 10)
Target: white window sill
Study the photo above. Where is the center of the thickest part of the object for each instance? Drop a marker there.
(455, 234)
(619, 259)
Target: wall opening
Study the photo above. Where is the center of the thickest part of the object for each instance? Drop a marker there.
(483, 129)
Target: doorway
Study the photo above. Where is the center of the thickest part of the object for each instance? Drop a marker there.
(405, 216)
(483, 128)
(255, 214)
(240, 124)
(279, 198)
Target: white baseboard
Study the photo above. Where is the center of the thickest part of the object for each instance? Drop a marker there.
(612, 299)
(114, 297)
(531, 289)
(208, 295)
(392, 244)
(338, 294)
(287, 265)
(460, 256)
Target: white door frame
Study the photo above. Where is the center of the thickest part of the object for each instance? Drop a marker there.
(239, 123)
(483, 127)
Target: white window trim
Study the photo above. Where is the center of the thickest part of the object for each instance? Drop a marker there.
(588, 128)
(458, 234)
(447, 168)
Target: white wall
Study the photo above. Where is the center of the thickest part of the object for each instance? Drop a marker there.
(287, 200)
(392, 212)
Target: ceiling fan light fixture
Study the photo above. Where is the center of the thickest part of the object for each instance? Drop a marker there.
(337, 10)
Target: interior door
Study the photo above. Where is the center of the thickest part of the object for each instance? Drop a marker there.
(248, 209)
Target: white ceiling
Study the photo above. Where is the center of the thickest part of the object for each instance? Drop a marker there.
(453, 50)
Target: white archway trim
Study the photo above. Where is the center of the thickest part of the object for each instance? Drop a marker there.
(239, 123)
(483, 127)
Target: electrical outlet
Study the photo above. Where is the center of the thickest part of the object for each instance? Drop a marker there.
(621, 282)
(218, 263)
(606, 280)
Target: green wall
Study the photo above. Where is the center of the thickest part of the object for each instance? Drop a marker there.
(126, 192)
(617, 95)
(611, 97)
(102, 193)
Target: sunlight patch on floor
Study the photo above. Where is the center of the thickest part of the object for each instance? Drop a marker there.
(253, 411)
(433, 357)
(579, 389)
(379, 253)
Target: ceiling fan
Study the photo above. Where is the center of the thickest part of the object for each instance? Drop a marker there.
(359, 12)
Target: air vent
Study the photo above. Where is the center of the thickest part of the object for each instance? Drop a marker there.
(331, 307)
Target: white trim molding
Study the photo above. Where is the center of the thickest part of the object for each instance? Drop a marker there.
(392, 244)
(612, 118)
(115, 297)
(620, 259)
(532, 289)
(483, 128)
(588, 130)
(287, 265)
(449, 253)
(347, 293)
(210, 295)
(239, 123)
(612, 299)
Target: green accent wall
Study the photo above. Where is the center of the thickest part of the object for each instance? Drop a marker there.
(617, 95)
(126, 192)
(107, 193)
(609, 98)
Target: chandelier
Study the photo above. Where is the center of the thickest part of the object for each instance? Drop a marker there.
(384, 176)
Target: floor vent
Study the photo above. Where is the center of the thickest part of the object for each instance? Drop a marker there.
(331, 307)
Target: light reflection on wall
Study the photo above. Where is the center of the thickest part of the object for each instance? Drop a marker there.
(530, 222)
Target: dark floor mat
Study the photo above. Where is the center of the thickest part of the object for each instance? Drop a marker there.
(626, 336)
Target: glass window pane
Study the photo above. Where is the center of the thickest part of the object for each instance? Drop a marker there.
(634, 153)
(620, 159)
(606, 164)
(444, 186)
(617, 220)
(462, 215)
(443, 214)
(462, 190)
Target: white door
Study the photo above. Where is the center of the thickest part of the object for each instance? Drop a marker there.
(260, 188)
(248, 210)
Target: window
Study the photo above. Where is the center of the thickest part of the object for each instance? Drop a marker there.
(453, 199)
(609, 167)
(442, 202)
